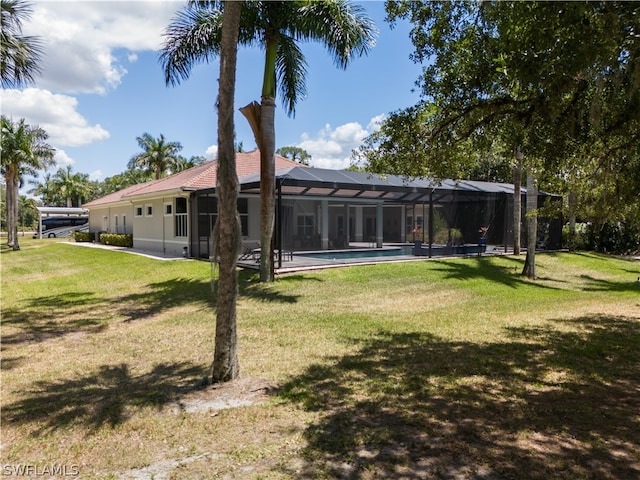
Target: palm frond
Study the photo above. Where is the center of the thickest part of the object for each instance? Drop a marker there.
(192, 37)
(291, 73)
(344, 28)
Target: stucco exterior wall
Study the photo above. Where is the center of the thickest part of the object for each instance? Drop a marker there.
(155, 227)
(112, 219)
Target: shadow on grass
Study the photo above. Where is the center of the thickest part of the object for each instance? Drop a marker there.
(484, 267)
(162, 296)
(105, 397)
(251, 287)
(600, 285)
(51, 316)
(547, 404)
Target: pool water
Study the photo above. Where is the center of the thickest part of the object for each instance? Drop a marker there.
(370, 253)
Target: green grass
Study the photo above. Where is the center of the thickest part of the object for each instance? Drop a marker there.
(418, 370)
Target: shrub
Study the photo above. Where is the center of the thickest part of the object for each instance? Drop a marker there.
(83, 236)
(614, 237)
(117, 239)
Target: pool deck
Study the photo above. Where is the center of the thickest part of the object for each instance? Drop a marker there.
(298, 261)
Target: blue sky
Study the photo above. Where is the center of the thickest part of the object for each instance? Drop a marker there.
(103, 86)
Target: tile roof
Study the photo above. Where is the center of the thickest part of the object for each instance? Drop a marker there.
(196, 178)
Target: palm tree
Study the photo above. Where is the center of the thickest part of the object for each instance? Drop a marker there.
(194, 36)
(158, 155)
(227, 232)
(183, 164)
(19, 55)
(44, 189)
(71, 186)
(23, 151)
(28, 213)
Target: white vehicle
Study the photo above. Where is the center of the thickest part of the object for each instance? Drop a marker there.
(62, 226)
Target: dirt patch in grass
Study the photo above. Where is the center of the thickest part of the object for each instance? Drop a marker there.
(242, 392)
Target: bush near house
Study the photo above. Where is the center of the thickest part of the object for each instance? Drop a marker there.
(117, 239)
(84, 236)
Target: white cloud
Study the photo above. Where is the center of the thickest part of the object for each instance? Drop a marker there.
(331, 148)
(56, 114)
(62, 159)
(95, 175)
(212, 152)
(83, 39)
(376, 122)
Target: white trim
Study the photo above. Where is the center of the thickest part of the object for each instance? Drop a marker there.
(148, 206)
(164, 210)
(135, 211)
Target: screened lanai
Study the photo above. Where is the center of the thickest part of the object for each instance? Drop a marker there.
(323, 209)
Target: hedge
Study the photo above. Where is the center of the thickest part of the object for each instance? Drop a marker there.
(83, 236)
(117, 239)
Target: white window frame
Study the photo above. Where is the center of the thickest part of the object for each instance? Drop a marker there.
(170, 205)
(139, 208)
(148, 210)
(302, 226)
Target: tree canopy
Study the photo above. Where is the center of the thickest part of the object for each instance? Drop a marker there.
(296, 154)
(23, 151)
(558, 81)
(158, 156)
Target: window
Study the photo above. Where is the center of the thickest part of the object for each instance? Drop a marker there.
(168, 209)
(148, 210)
(138, 210)
(181, 205)
(115, 222)
(305, 225)
(243, 210)
(181, 217)
(124, 224)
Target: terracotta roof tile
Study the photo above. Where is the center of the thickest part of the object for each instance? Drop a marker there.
(196, 178)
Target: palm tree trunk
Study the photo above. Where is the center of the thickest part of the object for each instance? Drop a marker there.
(267, 187)
(16, 216)
(11, 180)
(267, 160)
(532, 225)
(517, 201)
(225, 361)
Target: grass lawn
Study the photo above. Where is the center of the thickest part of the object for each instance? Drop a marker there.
(450, 368)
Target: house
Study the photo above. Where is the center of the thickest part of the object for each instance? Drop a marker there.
(316, 209)
(163, 216)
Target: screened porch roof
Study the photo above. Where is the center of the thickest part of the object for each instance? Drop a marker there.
(321, 182)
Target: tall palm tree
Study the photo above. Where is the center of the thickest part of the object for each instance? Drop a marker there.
(158, 155)
(44, 189)
(71, 186)
(227, 231)
(195, 34)
(19, 54)
(23, 151)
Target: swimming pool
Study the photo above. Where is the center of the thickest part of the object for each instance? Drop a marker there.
(358, 253)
